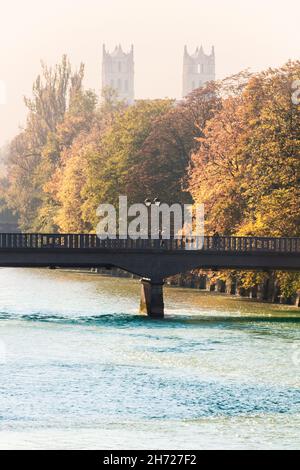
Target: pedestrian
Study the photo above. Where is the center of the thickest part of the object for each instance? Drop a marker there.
(216, 240)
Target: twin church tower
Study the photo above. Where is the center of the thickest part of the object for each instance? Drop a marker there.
(118, 71)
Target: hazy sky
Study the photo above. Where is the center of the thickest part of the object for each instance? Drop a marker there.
(255, 34)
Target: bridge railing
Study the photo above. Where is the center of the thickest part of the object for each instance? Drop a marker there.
(91, 241)
(249, 244)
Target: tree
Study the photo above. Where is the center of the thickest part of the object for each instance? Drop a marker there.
(67, 187)
(247, 168)
(161, 169)
(111, 162)
(248, 162)
(35, 152)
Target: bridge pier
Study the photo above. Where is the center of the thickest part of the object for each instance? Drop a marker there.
(152, 301)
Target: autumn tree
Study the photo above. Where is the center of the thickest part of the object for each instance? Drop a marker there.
(68, 186)
(112, 162)
(161, 170)
(247, 168)
(35, 152)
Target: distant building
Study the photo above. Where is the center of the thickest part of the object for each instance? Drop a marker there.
(118, 73)
(198, 69)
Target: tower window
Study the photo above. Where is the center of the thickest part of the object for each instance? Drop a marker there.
(126, 85)
(200, 68)
(112, 84)
(119, 84)
(119, 66)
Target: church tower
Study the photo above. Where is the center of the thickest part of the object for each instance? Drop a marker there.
(118, 73)
(198, 68)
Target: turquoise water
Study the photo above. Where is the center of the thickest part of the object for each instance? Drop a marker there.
(81, 369)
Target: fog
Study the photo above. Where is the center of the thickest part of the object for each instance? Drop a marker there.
(253, 35)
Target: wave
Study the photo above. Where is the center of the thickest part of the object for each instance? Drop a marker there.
(124, 319)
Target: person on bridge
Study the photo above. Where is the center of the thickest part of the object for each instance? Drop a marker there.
(216, 239)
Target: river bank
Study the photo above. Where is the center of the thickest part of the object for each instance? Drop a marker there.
(266, 291)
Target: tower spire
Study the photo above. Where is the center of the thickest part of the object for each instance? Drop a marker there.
(118, 72)
(198, 69)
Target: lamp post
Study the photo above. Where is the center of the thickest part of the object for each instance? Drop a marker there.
(148, 203)
(156, 202)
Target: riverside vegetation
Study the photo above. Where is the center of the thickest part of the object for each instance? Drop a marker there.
(233, 145)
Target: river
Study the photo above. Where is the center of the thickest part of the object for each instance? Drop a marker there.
(81, 369)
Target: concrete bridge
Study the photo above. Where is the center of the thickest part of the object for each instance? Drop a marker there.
(152, 260)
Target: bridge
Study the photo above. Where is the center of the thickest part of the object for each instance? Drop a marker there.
(152, 260)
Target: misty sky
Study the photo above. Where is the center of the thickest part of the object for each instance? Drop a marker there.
(255, 34)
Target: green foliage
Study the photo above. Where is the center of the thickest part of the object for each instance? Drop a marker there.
(289, 283)
(233, 145)
(110, 164)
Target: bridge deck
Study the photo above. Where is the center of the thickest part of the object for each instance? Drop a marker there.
(152, 260)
